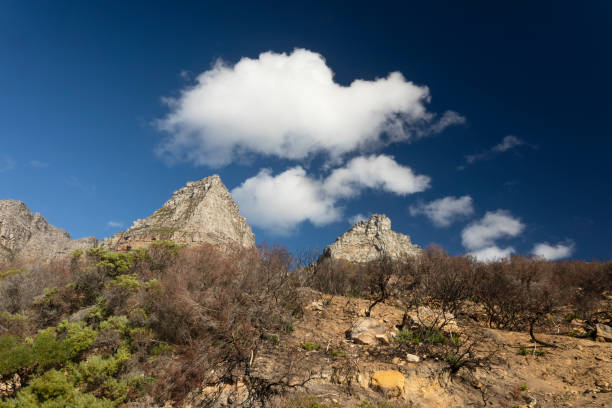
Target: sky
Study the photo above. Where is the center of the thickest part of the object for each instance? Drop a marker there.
(478, 126)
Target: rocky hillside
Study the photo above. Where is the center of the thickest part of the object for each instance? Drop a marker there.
(369, 240)
(27, 236)
(201, 212)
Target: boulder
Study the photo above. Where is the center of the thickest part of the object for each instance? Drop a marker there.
(603, 333)
(367, 330)
(390, 383)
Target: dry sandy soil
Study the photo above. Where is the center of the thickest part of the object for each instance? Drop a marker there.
(577, 373)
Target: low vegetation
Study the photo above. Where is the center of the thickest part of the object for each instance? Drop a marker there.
(100, 328)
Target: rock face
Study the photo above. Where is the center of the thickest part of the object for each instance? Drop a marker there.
(27, 236)
(201, 212)
(370, 240)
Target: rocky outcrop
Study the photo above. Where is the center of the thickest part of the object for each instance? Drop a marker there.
(370, 240)
(27, 236)
(201, 212)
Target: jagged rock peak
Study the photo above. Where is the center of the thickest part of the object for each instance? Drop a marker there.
(201, 212)
(369, 240)
(29, 237)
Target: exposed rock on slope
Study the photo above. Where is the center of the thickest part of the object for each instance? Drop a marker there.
(28, 236)
(370, 240)
(201, 212)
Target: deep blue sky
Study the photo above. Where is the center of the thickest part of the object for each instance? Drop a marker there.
(81, 84)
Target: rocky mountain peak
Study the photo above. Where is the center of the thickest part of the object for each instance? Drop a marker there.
(201, 211)
(369, 240)
(28, 236)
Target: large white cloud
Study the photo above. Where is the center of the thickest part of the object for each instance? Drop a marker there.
(444, 211)
(380, 172)
(493, 226)
(491, 254)
(288, 105)
(553, 252)
(279, 203)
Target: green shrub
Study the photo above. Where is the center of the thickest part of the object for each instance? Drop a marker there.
(310, 346)
(406, 336)
(54, 390)
(124, 283)
(13, 355)
(78, 337)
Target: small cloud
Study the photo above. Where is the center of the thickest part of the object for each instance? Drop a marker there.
(491, 254)
(6, 164)
(38, 164)
(81, 185)
(480, 236)
(508, 143)
(444, 211)
(114, 224)
(554, 252)
(356, 218)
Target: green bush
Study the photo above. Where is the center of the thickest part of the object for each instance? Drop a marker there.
(54, 390)
(310, 346)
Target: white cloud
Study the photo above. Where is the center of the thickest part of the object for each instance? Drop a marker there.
(356, 218)
(279, 203)
(380, 172)
(114, 224)
(6, 164)
(493, 226)
(288, 105)
(508, 143)
(491, 254)
(553, 252)
(444, 211)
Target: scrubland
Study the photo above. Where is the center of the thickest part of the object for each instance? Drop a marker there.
(178, 326)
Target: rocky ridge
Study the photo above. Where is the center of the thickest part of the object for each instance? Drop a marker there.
(370, 240)
(201, 212)
(28, 237)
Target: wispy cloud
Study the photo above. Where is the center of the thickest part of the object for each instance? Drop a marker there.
(6, 164)
(79, 184)
(508, 143)
(114, 224)
(38, 164)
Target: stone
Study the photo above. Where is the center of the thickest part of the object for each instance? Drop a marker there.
(370, 240)
(201, 212)
(411, 358)
(28, 237)
(603, 333)
(369, 331)
(390, 383)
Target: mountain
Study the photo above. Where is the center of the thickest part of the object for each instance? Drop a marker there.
(201, 212)
(27, 236)
(369, 240)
